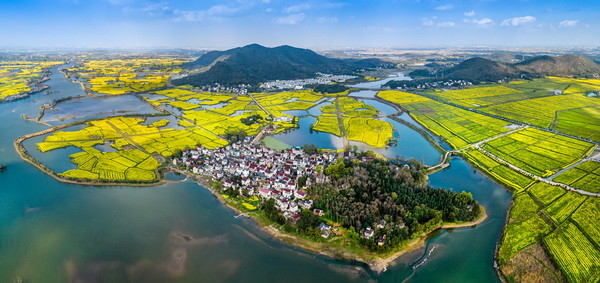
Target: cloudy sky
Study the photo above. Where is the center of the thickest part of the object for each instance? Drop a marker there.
(325, 23)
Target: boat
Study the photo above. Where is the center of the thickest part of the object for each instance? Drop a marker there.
(2, 167)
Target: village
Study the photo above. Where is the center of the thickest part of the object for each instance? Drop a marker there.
(303, 83)
(256, 170)
(260, 171)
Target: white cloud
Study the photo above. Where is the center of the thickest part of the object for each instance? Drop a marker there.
(485, 22)
(446, 24)
(292, 19)
(444, 7)
(212, 12)
(470, 14)
(326, 20)
(296, 8)
(568, 23)
(120, 2)
(428, 21)
(517, 21)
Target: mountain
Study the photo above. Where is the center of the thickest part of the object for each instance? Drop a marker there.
(566, 65)
(479, 69)
(507, 57)
(254, 63)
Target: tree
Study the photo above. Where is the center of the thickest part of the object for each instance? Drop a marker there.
(235, 135)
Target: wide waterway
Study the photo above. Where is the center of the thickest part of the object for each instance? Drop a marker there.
(178, 232)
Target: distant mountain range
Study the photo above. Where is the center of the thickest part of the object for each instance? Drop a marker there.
(254, 63)
(484, 70)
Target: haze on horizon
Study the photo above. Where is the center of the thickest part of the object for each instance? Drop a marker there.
(312, 24)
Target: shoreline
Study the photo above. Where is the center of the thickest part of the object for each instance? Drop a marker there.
(375, 263)
(24, 154)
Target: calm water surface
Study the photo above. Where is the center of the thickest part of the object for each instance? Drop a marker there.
(178, 232)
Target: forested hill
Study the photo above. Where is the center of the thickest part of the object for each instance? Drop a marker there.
(254, 63)
(478, 69)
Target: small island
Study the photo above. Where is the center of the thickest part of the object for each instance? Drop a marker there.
(344, 204)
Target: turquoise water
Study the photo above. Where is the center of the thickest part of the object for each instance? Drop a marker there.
(95, 107)
(377, 84)
(179, 232)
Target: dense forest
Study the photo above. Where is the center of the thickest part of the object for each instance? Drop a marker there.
(331, 88)
(393, 199)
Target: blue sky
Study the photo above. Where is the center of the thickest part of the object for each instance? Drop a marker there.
(313, 24)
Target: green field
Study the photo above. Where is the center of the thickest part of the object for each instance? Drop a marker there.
(565, 222)
(555, 103)
(538, 152)
(585, 176)
(458, 127)
(546, 193)
(587, 219)
(576, 256)
(525, 227)
(560, 209)
(484, 95)
(513, 179)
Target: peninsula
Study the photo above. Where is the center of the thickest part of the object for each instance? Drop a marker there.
(344, 204)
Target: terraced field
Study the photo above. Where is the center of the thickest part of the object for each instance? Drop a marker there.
(538, 152)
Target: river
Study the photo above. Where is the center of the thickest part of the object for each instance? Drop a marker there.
(179, 232)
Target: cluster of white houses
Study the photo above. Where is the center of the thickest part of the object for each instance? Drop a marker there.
(302, 83)
(262, 171)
